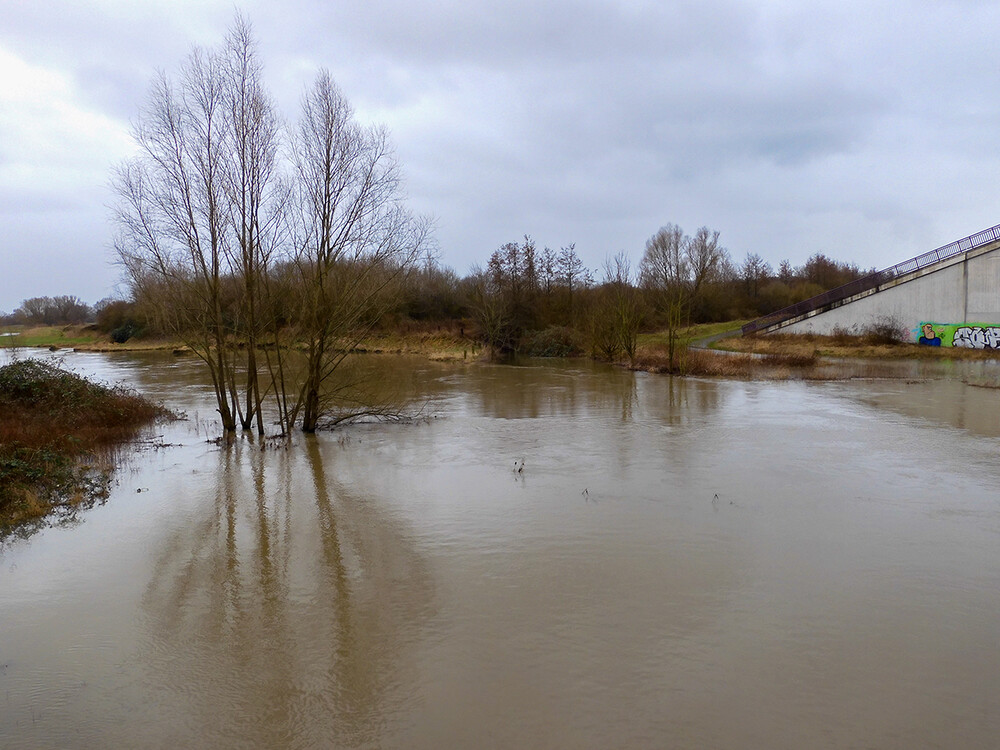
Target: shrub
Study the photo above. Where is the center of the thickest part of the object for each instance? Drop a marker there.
(554, 341)
(53, 425)
(884, 331)
(123, 333)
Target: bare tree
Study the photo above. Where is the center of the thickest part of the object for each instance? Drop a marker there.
(255, 199)
(665, 272)
(622, 307)
(354, 238)
(785, 272)
(704, 258)
(172, 219)
(676, 269)
(491, 311)
(571, 276)
(753, 271)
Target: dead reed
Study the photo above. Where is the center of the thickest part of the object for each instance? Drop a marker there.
(722, 364)
(869, 345)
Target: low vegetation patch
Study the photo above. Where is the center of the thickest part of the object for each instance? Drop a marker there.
(705, 362)
(554, 341)
(869, 344)
(58, 433)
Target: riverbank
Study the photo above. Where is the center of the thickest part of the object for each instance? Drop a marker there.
(439, 343)
(844, 346)
(712, 349)
(58, 434)
(720, 350)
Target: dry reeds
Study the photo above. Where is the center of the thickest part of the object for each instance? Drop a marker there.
(871, 344)
(723, 364)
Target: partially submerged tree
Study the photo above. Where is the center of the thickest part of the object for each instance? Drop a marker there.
(172, 218)
(354, 238)
(229, 248)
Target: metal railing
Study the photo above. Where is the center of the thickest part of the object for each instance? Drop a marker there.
(874, 280)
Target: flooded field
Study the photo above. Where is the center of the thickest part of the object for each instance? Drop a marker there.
(680, 563)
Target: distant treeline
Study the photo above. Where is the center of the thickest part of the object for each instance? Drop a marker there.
(523, 293)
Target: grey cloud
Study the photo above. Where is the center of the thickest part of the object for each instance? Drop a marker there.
(863, 129)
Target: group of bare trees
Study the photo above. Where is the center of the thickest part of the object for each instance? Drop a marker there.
(675, 269)
(240, 235)
(60, 310)
(523, 289)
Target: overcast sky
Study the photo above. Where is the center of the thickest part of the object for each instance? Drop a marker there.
(863, 130)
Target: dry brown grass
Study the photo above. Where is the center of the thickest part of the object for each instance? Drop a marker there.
(846, 346)
(723, 364)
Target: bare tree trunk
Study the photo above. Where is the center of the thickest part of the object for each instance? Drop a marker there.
(355, 240)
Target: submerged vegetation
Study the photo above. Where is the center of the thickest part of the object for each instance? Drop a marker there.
(57, 435)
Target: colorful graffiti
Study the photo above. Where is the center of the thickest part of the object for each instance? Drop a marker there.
(977, 337)
(962, 335)
(928, 336)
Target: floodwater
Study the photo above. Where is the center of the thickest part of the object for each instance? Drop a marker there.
(680, 563)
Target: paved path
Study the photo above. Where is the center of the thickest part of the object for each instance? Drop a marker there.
(706, 342)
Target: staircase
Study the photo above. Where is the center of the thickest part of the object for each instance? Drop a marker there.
(871, 283)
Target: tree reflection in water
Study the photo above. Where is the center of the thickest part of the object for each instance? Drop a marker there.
(286, 615)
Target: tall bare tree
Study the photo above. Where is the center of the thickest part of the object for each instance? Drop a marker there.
(172, 217)
(676, 269)
(664, 271)
(354, 238)
(704, 258)
(255, 198)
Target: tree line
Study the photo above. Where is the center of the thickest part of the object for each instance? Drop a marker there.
(327, 298)
(433, 293)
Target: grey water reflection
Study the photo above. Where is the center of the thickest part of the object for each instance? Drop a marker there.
(545, 389)
(944, 402)
(285, 615)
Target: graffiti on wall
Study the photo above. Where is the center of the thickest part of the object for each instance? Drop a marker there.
(963, 335)
(928, 335)
(977, 337)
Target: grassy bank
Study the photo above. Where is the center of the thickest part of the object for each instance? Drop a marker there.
(439, 342)
(691, 361)
(781, 356)
(81, 337)
(847, 346)
(58, 433)
(451, 342)
(688, 335)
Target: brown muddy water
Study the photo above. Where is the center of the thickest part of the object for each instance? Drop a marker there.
(681, 563)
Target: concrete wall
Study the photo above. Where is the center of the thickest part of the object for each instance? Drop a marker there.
(964, 289)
